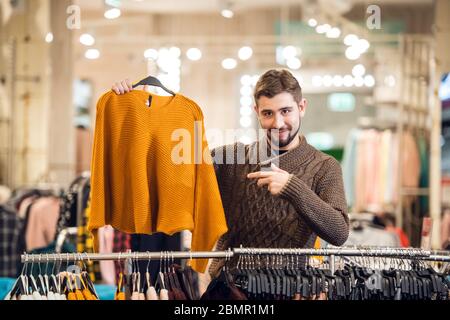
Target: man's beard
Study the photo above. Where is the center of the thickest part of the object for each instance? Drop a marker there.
(275, 142)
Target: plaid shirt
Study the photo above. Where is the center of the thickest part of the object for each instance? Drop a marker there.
(122, 243)
(12, 243)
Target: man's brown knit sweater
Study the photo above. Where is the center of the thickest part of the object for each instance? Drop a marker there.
(311, 204)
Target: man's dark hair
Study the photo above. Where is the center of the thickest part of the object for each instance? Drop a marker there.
(274, 82)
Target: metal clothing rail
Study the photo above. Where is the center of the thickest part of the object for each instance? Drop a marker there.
(420, 254)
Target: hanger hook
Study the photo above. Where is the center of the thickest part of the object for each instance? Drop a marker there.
(88, 259)
(39, 264)
(25, 265)
(148, 263)
(32, 265)
(164, 261)
(120, 264)
(173, 261)
(134, 262)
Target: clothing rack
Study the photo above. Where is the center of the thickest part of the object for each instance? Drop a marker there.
(428, 255)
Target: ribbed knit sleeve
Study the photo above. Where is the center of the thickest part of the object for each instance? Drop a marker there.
(325, 210)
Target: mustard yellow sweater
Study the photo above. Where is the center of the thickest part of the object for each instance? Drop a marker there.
(139, 183)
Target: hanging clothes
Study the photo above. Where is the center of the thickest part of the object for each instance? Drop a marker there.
(254, 281)
(12, 242)
(42, 222)
(154, 243)
(85, 243)
(121, 243)
(348, 165)
(410, 161)
(70, 203)
(371, 164)
(137, 185)
(424, 153)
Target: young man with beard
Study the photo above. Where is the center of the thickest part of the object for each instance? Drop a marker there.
(278, 192)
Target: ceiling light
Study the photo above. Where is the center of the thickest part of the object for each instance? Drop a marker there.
(350, 39)
(369, 81)
(246, 122)
(246, 80)
(334, 33)
(312, 22)
(245, 53)
(175, 52)
(359, 81)
(227, 13)
(246, 111)
(246, 101)
(87, 39)
(352, 53)
(289, 52)
(317, 81)
(229, 63)
(246, 91)
(338, 81)
(49, 37)
(348, 81)
(362, 45)
(358, 70)
(151, 54)
(255, 80)
(92, 54)
(294, 63)
(194, 54)
(163, 52)
(323, 28)
(112, 13)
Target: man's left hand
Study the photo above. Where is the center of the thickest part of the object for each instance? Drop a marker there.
(275, 180)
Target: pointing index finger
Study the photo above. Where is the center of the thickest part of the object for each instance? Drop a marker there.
(260, 174)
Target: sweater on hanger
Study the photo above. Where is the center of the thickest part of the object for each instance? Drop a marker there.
(311, 204)
(148, 174)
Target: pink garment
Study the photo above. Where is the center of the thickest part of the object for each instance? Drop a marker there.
(411, 161)
(24, 206)
(360, 177)
(372, 160)
(42, 221)
(394, 172)
(106, 242)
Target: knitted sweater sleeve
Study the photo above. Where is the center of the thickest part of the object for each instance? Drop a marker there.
(325, 210)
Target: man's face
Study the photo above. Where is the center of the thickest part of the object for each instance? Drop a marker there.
(281, 117)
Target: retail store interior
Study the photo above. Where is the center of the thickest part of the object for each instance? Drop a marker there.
(375, 75)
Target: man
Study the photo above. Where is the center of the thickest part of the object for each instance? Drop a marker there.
(288, 204)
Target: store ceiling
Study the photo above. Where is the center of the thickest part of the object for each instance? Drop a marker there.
(204, 6)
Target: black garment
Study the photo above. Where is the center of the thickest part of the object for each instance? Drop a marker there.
(155, 243)
(12, 242)
(70, 202)
(223, 288)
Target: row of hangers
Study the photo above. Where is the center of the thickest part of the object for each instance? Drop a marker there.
(172, 282)
(287, 279)
(56, 285)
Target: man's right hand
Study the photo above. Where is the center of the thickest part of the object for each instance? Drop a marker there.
(122, 87)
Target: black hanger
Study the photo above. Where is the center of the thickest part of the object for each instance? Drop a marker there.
(153, 81)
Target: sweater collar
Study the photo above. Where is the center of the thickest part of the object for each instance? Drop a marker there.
(261, 152)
